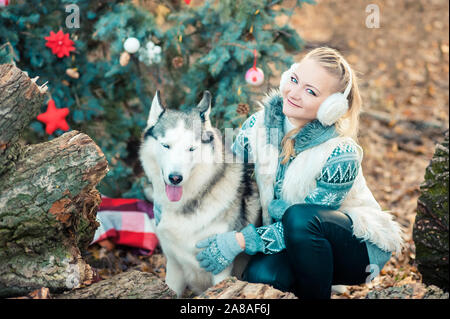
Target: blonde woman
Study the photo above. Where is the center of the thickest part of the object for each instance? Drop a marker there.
(325, 227)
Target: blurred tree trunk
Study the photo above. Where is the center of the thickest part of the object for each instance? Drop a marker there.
(430, 232)
(48, 200)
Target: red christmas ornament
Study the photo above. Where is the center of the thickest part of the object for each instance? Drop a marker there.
(187, 1)
(54, 118)
(60, 43)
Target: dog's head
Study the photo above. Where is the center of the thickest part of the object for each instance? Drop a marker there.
(177, 141)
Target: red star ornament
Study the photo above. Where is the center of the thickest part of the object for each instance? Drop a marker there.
(60, 44)
(54, 118)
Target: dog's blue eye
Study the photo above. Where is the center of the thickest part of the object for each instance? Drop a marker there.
(293, 79)
(165, 145)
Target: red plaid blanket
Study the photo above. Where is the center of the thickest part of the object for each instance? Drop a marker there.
(125, 221)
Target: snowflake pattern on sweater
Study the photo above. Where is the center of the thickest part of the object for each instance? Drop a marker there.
(273, 237)
(336, 179)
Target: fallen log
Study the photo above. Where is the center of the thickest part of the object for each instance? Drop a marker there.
(127, 285)
(232, 288)
(20, 99)
(48, 200)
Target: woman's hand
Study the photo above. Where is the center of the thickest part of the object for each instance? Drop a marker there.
(241, 240)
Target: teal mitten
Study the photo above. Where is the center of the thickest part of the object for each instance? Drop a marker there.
(219, 252)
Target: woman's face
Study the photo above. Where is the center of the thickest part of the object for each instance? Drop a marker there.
(308, 86)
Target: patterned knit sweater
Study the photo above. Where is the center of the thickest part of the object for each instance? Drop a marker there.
(333, 184)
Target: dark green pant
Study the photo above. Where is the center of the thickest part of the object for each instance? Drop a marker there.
(321, 251)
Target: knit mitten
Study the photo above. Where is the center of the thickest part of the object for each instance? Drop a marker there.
(219, 252)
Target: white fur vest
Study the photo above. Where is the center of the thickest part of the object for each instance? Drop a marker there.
(369, 221)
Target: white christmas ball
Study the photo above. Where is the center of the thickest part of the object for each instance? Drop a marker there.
(131, 45)
(157, 49)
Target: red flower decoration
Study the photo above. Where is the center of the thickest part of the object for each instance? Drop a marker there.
(60, 43)
(54, 118)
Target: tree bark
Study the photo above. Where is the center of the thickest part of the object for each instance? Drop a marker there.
(48, 200)
(430, 231)
(232, 288)
(20, 100)
(128, 285)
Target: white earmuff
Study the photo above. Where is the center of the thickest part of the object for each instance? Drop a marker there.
(336, 105)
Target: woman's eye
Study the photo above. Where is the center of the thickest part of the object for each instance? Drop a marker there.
(311, 92)
(165, 145)
(293, 79)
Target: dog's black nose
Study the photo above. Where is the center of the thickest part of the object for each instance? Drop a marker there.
(175, 179)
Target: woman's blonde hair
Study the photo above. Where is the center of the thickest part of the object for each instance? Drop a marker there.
(332, 61)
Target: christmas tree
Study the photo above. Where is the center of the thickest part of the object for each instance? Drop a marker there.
(182, 49)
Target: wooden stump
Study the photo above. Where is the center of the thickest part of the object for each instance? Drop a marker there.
(48, 200)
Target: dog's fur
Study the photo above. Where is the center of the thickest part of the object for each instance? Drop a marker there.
(217, 196)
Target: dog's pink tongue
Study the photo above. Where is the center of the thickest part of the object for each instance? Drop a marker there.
(174, 192)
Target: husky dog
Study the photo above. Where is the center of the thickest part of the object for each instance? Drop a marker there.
(197, 193)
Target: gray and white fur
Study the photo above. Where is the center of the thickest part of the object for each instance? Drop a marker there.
(217, 196)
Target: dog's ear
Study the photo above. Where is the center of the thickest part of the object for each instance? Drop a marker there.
(204, 106)
(155, 110)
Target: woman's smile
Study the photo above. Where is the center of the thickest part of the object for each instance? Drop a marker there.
(293, 104)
